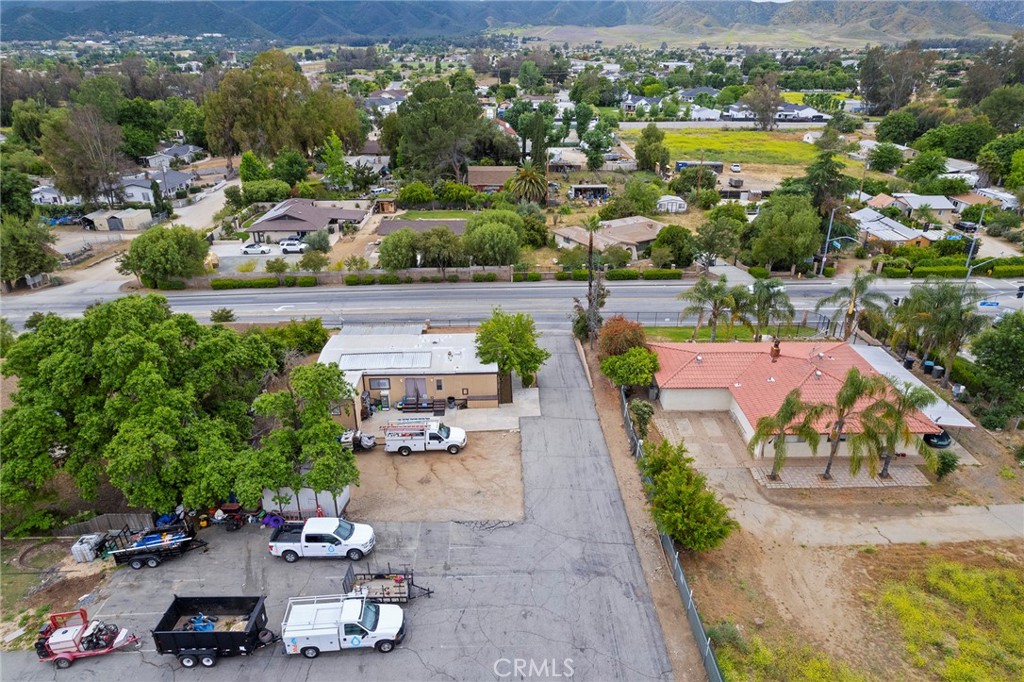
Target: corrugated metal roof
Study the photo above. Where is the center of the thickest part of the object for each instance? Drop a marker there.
(369, 361)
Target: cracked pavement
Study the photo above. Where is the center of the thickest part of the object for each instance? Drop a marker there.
(564, 583)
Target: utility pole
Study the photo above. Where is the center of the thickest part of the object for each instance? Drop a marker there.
(970, 253)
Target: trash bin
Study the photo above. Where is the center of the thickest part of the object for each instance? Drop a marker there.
(938, 371)
(451, 402)
(908, 362)
(927, 367)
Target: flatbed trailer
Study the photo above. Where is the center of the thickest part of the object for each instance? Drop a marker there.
(237, 626)
(390, 587)
(151, 546)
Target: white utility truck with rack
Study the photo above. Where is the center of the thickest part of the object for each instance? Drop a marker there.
(418, 434)
(340, 621)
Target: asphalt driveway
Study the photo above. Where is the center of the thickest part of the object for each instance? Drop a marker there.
(561, 590)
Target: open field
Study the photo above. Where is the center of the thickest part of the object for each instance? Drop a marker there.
(735, 146)
(737, 333)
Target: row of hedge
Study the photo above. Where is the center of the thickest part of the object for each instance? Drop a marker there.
(262, 282)
(164, 285)
(621, 274)
(526, 277)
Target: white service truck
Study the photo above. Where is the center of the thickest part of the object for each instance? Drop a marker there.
(342, 621)
(322, 537)
(406, 436)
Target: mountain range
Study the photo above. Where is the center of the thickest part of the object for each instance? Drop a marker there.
(300, 22)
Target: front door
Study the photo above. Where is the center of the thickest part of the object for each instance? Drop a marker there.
(352, 636)
(415, 389)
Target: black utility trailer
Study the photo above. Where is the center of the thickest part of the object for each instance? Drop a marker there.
(390, 587)
(239, 628)
(149, 547)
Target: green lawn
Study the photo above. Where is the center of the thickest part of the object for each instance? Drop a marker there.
(435, 215)
(735, 146)
(738, 333)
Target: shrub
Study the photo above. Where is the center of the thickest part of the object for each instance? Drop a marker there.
(407, 279)
(352, 280)
(306, 281)
(618, 335)
(222, 315)
(662, 274)
(436, 279)
(308, 335)
(1008, 271)
(563, 276)
(948, 461)
(147, 281)
(453, 279)
(580, 275)
(367, 279)
(389, 279)
(289, 281)
(860, 252)
(759, 272)
(170, 285)
(519, 277)
(895, 273)
(259, 283)
(617, 275)
(485, 277)
(966, 372)
(424, 279)
(642, 413)
(635, 367)
(829, 271)
(533, 277)
(955, 271)
(180, 193)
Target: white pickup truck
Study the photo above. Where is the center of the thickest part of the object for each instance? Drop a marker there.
(322, 537)
(342, 621)
(406, 436)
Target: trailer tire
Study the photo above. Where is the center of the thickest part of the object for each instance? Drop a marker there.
(386, 646)
(137, 564)
(208, 660)
(310, 652)
(62, 663)
(266, 636)
(453, 449)
(290, 556)
(152, 562)
(187, 661)
(354, 554)
(404, 451)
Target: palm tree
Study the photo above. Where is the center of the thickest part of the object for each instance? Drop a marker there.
(884, 427)
(710, 297)
(529, 184)
(956, 321)
(769, 299)
(855, 298)
(926, 216)
(855, 389)
(794, 417)
(741, 307)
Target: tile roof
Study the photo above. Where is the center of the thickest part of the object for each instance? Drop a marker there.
(759, 385)
(881, 201)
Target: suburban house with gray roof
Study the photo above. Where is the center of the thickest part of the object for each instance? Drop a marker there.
(305, 216)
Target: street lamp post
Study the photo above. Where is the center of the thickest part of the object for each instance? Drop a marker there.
(828, 237)
(970, 253)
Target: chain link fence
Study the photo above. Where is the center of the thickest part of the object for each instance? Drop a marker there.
(707, 654)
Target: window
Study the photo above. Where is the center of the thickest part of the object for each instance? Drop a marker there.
(439, 384)
(351, 629)
(378, 384)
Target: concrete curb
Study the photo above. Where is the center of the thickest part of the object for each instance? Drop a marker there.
(583, 361)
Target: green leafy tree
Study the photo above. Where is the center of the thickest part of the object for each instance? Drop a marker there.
(998, 350)
(416, 194)
(885, 157)
(854, 299)
(150, 400)
(437, 127)
(794, 417)
(104, 93)
(313, 261)
(16, 194)
(1005, 107)
(398, 250)
(319, 241)
(598, 141)
(769, 301)
(692, 177)
(252, 167)
(25, 247)
(530, 78)
(441, 249)
(160, 254)
(715, 239)
(492, 244)
(529, 184)
(356, 264)
(276, 266)
(925, 166)
(453, 193)
(635, 367)
(730, 209)
(618, 335)
(787, 231)
(84, 150)
(643, 195)
(826, 181)
(337, 173)
(651, 152)
(510, 341)
(680, 243)
(898, 127)
(289, 166)
(851, 399)
(764, 100)
(8, 335)
(584, 114)
(681, 503)
(303, 448)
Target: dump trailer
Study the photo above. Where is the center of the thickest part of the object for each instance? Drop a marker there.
(151, 546)
(199, 630)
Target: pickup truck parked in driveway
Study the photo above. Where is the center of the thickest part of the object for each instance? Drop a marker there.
(322, 537)
(417, 434)
(342, 621)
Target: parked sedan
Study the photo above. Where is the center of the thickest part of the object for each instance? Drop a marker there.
(735, 168)
(940, 440)
(255, 248)
(293, 246)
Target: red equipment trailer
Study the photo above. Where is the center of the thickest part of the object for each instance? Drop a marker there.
(70, 635)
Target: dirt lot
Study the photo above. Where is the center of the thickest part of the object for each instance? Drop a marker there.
(484, 482)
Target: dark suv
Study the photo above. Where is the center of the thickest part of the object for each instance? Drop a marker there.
(965, 226)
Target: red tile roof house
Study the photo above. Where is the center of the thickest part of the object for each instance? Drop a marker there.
(744, 380)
